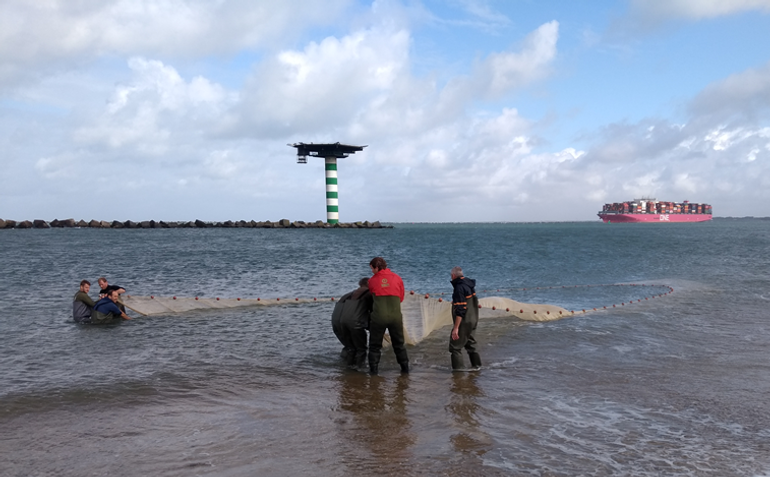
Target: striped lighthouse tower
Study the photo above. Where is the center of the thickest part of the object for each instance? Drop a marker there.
(330, 153)
(332, 199)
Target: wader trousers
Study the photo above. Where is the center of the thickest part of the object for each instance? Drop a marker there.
(357, 338)
(386, 315)
(98, 318)
(465, 340)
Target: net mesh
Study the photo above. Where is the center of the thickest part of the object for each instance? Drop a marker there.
(422, 315)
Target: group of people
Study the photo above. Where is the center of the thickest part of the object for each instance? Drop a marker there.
(376, 305)
(108, 309)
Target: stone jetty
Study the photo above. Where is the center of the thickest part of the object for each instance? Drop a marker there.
(200, 224)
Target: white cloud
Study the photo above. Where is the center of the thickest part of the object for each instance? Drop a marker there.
(646, 17)
(744, 96)
(43, 36)
(722, 139)
(695, 9)
(156, 104)
(508, 70)
(298, 92)
(220, 165)
(323, 86)
(437, 159)
(160, 129)
(484, 14)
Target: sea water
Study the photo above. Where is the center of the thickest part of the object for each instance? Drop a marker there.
(675, 385)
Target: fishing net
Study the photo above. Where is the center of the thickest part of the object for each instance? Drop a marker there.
(422, 314)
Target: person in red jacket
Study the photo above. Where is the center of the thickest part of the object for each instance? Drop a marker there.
(387, 288)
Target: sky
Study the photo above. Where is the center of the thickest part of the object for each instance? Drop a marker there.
(470, 110)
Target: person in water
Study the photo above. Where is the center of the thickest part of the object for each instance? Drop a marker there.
(82, 304)
(106, 288)
(350, 320)
(106, 310)
(465, 317)
(387, 289)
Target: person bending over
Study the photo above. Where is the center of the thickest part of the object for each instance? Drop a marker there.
(387, 289)
(82, 304)
(350, 320)
(465, 316)
(106, 310)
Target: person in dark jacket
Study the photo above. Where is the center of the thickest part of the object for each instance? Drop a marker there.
(388, 291)
(82, 304)
(106, 288)
(465, 317)
(350, 320)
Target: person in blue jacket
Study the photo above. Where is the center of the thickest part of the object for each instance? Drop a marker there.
(106, 310)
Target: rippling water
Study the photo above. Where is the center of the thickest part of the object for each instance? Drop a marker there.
(672, 386)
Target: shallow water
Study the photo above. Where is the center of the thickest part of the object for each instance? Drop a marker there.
(671, 386)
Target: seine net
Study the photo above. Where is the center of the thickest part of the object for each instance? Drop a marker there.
(422, 315)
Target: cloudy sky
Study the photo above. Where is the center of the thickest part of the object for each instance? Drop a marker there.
(471, 110)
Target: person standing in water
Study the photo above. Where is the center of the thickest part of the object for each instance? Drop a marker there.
(465, 317)
(387, 288)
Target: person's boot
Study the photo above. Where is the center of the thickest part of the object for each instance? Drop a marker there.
(457, 362)
(404, 367)
(374, 362)
(475, 360)
(361, 361)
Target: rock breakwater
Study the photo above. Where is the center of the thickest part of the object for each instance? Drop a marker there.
(152, 224)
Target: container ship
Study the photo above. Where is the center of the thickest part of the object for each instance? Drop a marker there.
(652, 210)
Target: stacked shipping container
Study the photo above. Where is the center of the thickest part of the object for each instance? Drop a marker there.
(652, 210)
(652, 206)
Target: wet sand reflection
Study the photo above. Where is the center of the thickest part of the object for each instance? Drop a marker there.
(467, 440)
(375, 425)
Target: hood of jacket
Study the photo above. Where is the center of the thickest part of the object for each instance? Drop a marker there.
(470, 282)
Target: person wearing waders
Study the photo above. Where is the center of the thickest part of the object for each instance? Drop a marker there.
(465, 316)
(350, 320)
(106, 288)
(106, 310)
(82, 304)
(387, 288)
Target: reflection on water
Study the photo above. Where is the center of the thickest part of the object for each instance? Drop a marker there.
(464, 406)
(376, 421)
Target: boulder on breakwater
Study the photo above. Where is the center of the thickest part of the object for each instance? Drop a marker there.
(152, 224)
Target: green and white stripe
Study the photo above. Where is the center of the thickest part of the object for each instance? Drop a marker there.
(332, 205)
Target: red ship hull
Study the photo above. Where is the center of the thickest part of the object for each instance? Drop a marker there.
(618, 218)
